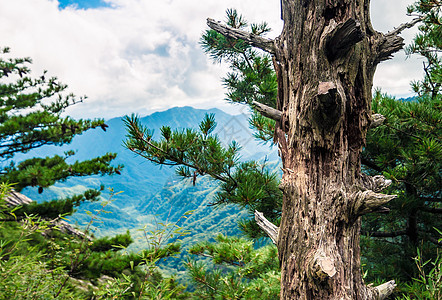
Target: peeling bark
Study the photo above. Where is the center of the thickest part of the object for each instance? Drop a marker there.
(375, 183)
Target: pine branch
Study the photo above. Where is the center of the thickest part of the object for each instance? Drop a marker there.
(252, 39)
(428, 199)
(370, 164)
(433, 210)
(232, 263)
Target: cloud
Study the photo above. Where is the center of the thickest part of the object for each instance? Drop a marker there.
(142, 56)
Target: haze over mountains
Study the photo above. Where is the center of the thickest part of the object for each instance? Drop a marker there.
(151, 193)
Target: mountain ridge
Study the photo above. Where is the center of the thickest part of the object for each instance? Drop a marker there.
(151, 191)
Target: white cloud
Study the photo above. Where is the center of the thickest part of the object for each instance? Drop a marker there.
(141, 55)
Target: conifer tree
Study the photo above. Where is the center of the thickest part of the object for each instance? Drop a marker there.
(324, 62)
(31, 111)
(407, 150)
(239, 272)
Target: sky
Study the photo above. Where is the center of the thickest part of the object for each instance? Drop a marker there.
(142, 56)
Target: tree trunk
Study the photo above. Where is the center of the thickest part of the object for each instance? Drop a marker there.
(325, 59)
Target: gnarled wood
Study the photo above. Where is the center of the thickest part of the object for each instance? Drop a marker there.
(342, 38)
(252, 39)
(391, 42)
(369, 201)
(377, 120)
(385, 289)
(375, 183)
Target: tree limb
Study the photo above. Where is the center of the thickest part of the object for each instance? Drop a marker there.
(268, 111)
(342, 38)
(369, 201)
(404, 26)
(250, 38)
(429, 199)
(268, 227)
(390, 42)
(386, 289)
(372, 165)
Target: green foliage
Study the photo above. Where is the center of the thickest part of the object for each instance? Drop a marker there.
(252, 77)
(428, 44)
(24, 271)
(407, 150)
(249, 185)
(30, 109)
(38, 261)
(241, 272)
(429, 283)
(44, 172)
(114, 243)
(30, 117)
(56, 208)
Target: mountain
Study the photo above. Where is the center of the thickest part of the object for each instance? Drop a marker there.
(153, 194)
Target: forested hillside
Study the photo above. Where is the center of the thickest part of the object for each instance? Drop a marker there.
(151, 192)
(340, 199)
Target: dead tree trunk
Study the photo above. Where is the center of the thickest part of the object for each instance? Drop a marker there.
(325, 59)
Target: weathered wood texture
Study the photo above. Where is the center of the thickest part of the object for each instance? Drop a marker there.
(270, 229)
(327, 55)
(325, 60)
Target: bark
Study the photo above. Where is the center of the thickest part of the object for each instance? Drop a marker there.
(325, 60)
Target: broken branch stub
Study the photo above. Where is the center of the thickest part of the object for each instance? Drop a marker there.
(369, 201)
(269, 228)
(268, 111)
(386, 289)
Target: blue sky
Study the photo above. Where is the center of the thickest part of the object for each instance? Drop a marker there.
(142, 56)
(83, 4)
